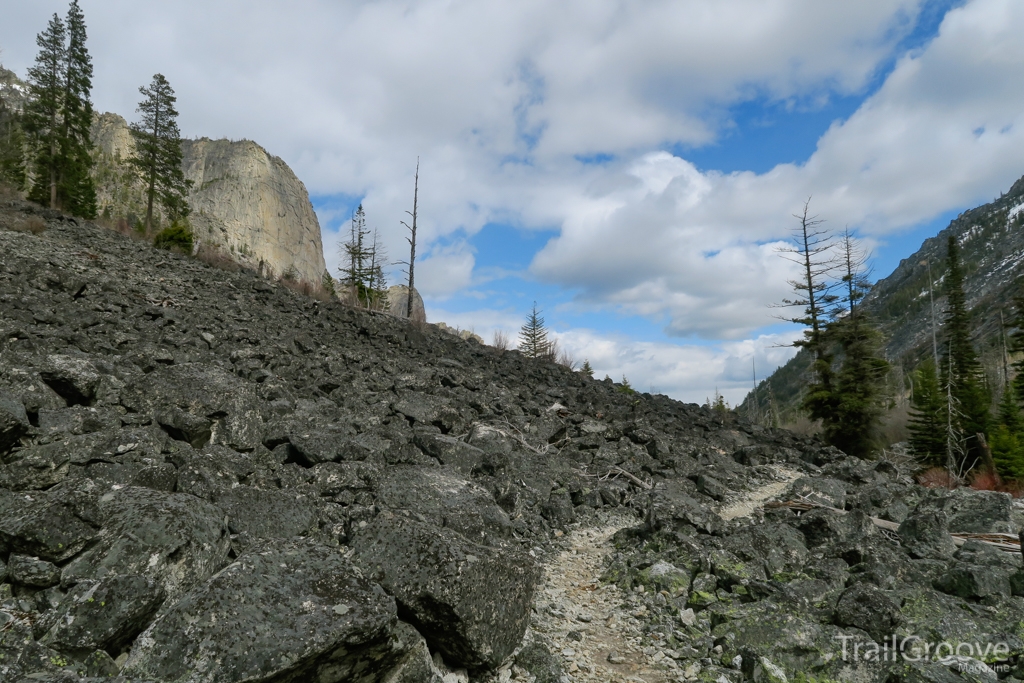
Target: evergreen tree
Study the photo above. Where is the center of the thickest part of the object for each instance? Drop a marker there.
(961, 370)
(12, 148)
(158, 152)
(364, 275)
(1017, 347)
(812, 251)
(533, 336)
(58, 116)
(44, 112)
(1007, 440)
(858, 385)
(77, 191)
(587, 369)
(927, 426)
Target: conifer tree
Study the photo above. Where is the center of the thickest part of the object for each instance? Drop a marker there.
(158, 152)
(961, 370)
(78, 193)
(927, 427)
(12, 148)
(533, 336)
(858, 385)
(58, 116)
(1017, 347)
(44, 112)
(812, 251)
(587, 369)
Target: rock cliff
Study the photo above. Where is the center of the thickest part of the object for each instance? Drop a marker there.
(244, 201)
(207, 477)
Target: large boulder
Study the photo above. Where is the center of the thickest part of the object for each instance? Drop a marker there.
(287, 611)
(199, 404)
(445, 498)
(103, 615)
(868, 608)
(971, 511)
(14, 422)
(925, 535)
(54, 526)
(272, 513)
(174, 538)
(471, 602)
(74, 379)
(398, 304)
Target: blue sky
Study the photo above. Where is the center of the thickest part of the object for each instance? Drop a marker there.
(631, 167)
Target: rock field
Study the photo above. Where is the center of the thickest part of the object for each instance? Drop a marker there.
(207, 477)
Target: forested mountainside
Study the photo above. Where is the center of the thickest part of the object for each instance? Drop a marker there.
(992, 250)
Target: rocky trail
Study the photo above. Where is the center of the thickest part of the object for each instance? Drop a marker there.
(592, 625)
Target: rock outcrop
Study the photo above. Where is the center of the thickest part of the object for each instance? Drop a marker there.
(205, 476)
(244, 200)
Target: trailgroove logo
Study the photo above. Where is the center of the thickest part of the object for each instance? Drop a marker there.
(966, 657)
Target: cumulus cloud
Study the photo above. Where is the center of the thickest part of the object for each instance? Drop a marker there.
(663, 238)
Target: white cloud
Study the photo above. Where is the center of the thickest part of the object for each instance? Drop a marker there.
(943, 131)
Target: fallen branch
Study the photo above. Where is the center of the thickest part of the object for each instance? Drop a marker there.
(616, 471)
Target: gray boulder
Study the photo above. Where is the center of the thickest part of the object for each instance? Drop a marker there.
(471, 602)
(199, 404)
(971, 511)
(14, 422)
(288, 611)
(270, 513)
(866, 607)
(176, 539)
(31, 571)
(103, 615)
(445, 498)
(925, 535)
(74, 379)
(55, 526)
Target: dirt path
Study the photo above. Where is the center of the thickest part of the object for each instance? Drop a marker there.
(596, 628)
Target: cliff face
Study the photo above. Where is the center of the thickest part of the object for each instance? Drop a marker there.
(244, 200)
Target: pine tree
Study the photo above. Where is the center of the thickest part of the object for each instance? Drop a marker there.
(58, 117)
(927, 427)
(587, 369)
(812, 251)
(12, 148)
(859, 383)
(77, 191)
(44, 112)
(961, 370)
(533, 336)
(157, 157)
(1017, 346)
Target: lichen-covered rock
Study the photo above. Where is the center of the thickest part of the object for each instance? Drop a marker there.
(270, 513)
(103, 615)
(471, 602)
(199, 405)
(925, 535)
(74, 379)
(13, 421)
(33, 572)
(287, 611)
(54, 526)
(866, 607)
(445, 498)
(176, 539)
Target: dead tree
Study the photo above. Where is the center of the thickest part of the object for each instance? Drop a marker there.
(412, 237)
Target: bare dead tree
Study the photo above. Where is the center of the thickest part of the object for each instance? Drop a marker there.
(412, 237)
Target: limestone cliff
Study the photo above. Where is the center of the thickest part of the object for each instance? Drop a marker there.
(244, 200)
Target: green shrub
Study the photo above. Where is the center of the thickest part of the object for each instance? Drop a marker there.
(177, 237)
